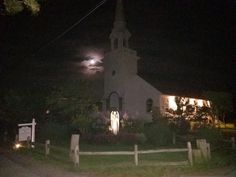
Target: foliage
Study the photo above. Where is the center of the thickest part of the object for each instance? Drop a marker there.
(179, 125)
(72, 102)
(133, 125)
(15, 6)
(121, 138)
(158, 133)
(211, 134)
(57, 133)
(222, 103)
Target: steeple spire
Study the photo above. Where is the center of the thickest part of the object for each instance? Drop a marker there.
(120, 17)
(120, 34)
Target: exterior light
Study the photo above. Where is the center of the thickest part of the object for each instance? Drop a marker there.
(115, 122)
(172, 103)
(17, 146)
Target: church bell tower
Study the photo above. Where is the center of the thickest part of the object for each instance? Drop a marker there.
(120, 63)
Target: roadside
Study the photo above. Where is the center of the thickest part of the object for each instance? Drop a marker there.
(21, 166)
(24, 166)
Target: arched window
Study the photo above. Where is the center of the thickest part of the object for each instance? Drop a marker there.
(149, 104)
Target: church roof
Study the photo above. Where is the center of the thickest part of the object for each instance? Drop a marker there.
(173, 87)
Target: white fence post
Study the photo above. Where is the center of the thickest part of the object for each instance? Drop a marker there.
(136, 154)
(47, 148)
(190, 153)
(76, 156)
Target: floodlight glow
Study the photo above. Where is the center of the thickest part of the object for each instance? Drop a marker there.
(172, 103)
(17, 146)
(115, 121)
(191, 101)
(200, 103)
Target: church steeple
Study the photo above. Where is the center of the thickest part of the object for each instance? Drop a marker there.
(120, 34)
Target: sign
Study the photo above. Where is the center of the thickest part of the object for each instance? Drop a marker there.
(24, 133)
(25, 125)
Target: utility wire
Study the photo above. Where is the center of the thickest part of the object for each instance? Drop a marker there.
(72, 26)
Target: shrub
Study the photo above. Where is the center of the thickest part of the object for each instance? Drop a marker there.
(212, 135)
(158, 133)
(133, 126)
(56, 132)
(141, 138)
(121, 138)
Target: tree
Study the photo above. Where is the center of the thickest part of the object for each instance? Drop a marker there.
(222, 103)
(73, 102)
(15, 6)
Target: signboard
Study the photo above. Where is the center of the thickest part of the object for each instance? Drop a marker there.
(24, 133)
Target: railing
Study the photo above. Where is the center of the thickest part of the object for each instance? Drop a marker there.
(136, 153)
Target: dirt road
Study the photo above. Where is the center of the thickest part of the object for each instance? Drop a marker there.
(20, 166)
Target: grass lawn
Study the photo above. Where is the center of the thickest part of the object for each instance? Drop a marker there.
(123, 165)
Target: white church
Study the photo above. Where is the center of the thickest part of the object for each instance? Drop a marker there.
(124, 90)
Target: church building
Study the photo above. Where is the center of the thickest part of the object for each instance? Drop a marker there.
(124, 90)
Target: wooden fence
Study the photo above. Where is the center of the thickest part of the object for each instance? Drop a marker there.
(136, 153)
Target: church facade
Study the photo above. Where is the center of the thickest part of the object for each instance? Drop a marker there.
(124, 90)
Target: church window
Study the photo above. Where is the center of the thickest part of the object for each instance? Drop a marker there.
(149, 104)
(113, 73)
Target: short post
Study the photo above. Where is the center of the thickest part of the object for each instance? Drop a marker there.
(33, 133)
(208, 151)
(233, 142)
(202, 145)
(47, 148)
(28, 142)
(136, 154)
(173, 138)
(76, 156)
(190, 153)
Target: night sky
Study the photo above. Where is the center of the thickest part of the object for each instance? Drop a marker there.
(189, 42)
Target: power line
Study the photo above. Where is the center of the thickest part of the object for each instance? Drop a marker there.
(72, 26)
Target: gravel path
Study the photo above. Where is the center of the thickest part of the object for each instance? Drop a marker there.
(20, 166)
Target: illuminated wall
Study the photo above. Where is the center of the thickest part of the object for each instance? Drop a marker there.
(170, 103)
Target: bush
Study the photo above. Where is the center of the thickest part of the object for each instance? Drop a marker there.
(121, 138)
(56, 132)
(212, 135)
(133, 126)
(158, 133)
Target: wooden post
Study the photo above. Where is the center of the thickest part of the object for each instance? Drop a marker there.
(74, 142)
(33, 133)
(208, 151)
(233, 142)
(47, 147)
(173, 138)
(202, 145)
(76, 156)
(136, 154)
(190, 153)
(28, 142)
